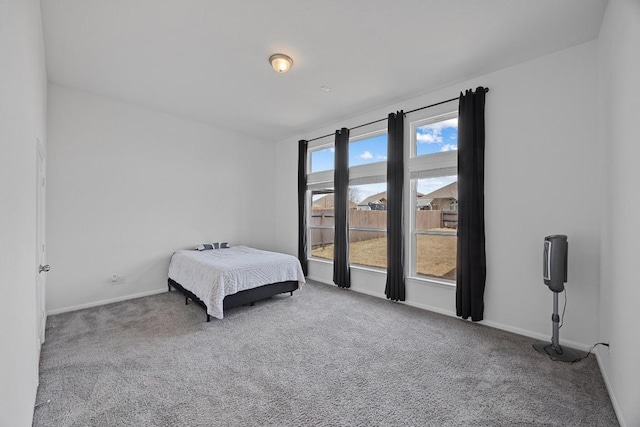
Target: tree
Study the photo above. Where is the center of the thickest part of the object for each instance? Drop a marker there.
(354, 195)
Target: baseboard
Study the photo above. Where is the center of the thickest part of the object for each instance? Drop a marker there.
(106, 301)
(430, 308)
(607, 383)
(536, 335)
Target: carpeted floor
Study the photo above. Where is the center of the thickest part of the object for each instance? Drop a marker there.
(324, 357)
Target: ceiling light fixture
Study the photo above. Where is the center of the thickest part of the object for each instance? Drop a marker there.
(280, 62)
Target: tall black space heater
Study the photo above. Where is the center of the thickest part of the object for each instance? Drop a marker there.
(554, 273)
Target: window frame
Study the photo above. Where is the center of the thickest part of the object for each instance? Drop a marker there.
(424, 166)
(370, 173)
(427, 120)
(317, 183)
(321, 177)
(363, 174)
(310, 228)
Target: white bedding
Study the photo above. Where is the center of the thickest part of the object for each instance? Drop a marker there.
(214, 274)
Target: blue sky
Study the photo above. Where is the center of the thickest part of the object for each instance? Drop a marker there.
(437, 137)
(432, 138)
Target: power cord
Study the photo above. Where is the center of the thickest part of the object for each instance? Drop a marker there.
(587, 355)
(564, 308)
(42, 403)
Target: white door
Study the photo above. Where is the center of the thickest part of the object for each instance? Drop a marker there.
(41, 318)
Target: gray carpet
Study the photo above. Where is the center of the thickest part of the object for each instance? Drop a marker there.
(324, 357)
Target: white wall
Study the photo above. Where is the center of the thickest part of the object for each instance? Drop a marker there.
(544, 163)
(620, 68)
(22, 121)
(128, 186)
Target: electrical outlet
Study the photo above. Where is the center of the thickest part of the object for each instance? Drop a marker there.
(116, 280)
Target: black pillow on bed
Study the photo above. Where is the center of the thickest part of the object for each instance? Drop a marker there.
(208, 246)
(224, 245)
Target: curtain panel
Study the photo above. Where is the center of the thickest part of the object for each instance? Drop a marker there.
(395, 287)
(471, 269)
(341, 270)
(302, 205)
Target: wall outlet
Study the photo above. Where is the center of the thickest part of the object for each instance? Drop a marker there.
(116, 280)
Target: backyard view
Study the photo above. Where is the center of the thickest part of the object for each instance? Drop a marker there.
(436, 222)
(436, 255)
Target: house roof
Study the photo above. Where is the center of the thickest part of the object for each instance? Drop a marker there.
(328, 202)
(378, 197)
(447, 192)
(208, 60)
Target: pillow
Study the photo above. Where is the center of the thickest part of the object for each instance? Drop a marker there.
(224, 245)
(208, 246)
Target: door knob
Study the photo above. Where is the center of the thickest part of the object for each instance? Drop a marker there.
(44, 268)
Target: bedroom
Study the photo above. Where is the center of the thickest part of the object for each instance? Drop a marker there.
(105, 217)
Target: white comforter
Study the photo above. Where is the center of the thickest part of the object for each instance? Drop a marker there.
(214, 274)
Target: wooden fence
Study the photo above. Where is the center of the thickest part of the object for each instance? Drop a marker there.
(425, 220)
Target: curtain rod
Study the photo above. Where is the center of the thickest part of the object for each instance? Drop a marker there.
(386, 118)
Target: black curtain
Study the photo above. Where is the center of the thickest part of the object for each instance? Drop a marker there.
(471, 268)
(341, 272)
(395, 289)
(302, 205)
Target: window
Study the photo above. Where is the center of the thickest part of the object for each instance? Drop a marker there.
(368, 199)
(321, 224)
(368, 224)
(436, 135)
(434, 197)
(321, 159)
(368, 149)
(435, 229)
(320, 201)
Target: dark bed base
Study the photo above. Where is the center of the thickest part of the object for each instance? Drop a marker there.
(248, 296)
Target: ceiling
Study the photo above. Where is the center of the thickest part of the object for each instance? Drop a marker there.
(208, 59)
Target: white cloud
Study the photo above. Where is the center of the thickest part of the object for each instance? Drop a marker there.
(432, 133)
(332, 149)
(451, 123)
(366, 155)
(430, 137)
(449, 147)
(381, 157)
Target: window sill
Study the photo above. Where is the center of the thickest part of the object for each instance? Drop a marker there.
(432, 281)
(415, 279)
(353, 266)
(369, 269)
(320, 260)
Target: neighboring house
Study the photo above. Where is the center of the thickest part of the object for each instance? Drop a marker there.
(323, 202)
(377, 202)
(443, 199)
(327, 202)
(423, 203)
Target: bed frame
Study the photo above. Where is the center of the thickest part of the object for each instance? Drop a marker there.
(246, 297)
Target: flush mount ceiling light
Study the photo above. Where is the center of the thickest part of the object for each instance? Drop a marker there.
(280, 62)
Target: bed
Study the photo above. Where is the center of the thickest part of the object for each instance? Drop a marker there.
(221, 279)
